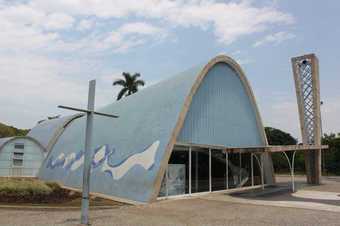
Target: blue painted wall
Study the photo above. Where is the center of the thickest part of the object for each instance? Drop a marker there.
(46, 130)
(144, 118)
(221, 112)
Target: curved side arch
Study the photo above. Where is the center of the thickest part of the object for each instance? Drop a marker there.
(180, 121)
(23, 137)
(60, 130)
(56, 136)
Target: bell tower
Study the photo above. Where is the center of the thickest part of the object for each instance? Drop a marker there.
(306, 77)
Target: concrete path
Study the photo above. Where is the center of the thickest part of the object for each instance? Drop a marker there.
(188, 212)
(310, 206)
(325, 197)
(289, 201)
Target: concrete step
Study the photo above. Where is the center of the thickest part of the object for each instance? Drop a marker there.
(272, 190)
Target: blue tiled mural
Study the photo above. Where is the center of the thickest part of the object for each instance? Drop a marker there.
(74, 160)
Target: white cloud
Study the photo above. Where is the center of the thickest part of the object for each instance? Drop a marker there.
(229, 21)
(32, 87)
(58, 21)
(131, 35)
(25, 28)
(38, 36)
(139, 28)
(36, 24)
(275, 38)
(85, 24)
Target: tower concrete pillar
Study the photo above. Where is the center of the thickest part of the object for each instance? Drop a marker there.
(307, 85)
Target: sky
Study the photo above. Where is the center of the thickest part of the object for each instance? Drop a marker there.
(49, 50)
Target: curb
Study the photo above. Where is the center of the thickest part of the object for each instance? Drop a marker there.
(53, 208)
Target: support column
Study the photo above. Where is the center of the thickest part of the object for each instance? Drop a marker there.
(227, 170)
(166, 181)
(210, 187)
(196, 171)
(306, 77)
(190, 166)
(240, 167)
(252, 169)
(262, 170)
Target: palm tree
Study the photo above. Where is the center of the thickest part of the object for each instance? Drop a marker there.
(130, 84)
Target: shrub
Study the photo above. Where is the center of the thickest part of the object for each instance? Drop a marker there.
(26, 190)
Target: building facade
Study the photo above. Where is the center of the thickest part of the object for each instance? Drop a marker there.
(170, 139)
(20, 156)
(23, 156)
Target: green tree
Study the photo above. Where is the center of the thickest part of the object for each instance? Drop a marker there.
(129, 84)
(279, 137)
(332, 155)
(11, 131)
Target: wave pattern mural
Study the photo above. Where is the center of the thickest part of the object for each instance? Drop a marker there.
(102, 154)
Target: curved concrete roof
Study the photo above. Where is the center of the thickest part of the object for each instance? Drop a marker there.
(132, 152)
(4, 140)
(48, 131)
(7, 140)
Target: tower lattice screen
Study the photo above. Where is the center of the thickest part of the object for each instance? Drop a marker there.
(306, 85)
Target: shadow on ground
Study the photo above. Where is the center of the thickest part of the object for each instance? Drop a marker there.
(325, 193)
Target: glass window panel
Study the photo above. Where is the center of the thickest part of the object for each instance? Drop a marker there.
(19, 146)
(163, 190)
(218, 170)
(17, 162)
(245, 170)
(178, 172)
(18, 155)
(233, 170)
(199, 170)
(257, 170)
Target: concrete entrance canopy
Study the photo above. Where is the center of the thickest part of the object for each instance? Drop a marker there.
(260, 150)
(278, 148)
(267, 148)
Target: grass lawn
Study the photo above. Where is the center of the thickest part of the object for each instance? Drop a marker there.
(31, 191)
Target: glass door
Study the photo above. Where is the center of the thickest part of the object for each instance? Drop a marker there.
(199, 170)
(218, 170)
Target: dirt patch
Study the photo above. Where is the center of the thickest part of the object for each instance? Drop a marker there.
(34, 192)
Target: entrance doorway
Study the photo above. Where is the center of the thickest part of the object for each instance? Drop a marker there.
(195, 169)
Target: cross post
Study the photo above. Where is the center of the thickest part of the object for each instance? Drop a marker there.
(88, 155)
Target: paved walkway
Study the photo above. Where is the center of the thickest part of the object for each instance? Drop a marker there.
(324, 201)
(190, 212)
(325, 197)
(204, 210)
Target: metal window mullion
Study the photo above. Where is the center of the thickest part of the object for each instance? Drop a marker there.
(252, 169)
(240, 167)
(227, 169)
(210, 170)
(196, 171)
(166, 180)
(190, 163)
(262, 171)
